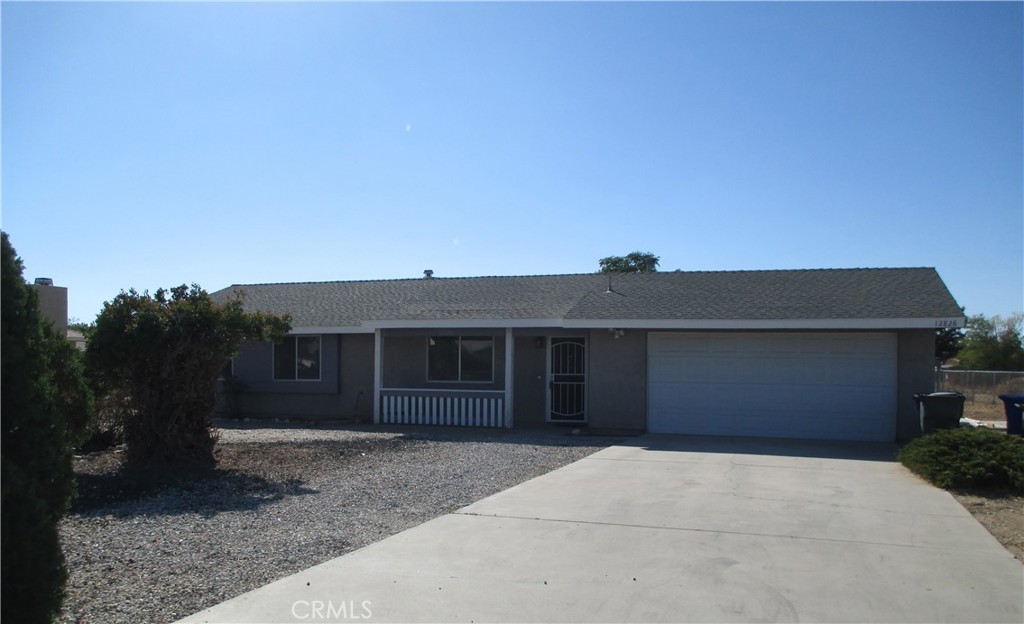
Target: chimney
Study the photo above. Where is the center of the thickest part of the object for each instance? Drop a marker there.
(53, 303)
(428, 274)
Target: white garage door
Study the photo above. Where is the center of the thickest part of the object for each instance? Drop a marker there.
(801, 385)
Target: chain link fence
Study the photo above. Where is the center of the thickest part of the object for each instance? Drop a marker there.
(982, 389)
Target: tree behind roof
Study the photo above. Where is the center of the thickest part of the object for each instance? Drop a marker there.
(993, 343)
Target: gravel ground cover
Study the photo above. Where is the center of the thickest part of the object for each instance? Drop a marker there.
(281, 500)
(1001, 512)
(286, 498)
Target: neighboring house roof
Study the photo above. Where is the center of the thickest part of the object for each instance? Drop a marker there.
(914, 297)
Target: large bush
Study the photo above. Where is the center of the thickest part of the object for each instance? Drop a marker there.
(45, 408)
(161, 355)
(956, 458)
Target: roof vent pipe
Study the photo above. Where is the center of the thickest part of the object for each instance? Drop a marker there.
(428, 274)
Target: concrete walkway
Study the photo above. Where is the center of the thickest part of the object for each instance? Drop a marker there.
(676, 529)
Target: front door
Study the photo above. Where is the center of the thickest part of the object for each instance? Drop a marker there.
(567, 380)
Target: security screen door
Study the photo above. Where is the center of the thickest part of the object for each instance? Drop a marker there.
(567, 380)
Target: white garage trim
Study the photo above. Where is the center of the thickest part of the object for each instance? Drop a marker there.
(822, 385)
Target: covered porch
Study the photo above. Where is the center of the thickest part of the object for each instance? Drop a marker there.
(480, 377)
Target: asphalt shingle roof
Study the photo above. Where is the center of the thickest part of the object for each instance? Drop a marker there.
(899, 293)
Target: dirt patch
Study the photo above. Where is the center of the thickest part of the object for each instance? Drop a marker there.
(986, 410)
(1001, 512)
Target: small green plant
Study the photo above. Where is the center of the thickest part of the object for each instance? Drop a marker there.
(957, 458)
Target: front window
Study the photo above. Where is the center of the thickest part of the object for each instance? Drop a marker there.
(456, 358)
(297, 358)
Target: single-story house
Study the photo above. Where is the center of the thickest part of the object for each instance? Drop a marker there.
(826, 354)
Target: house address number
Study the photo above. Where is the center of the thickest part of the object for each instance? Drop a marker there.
(947, 324)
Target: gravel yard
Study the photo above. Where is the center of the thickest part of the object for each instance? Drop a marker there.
(286, 498)
(282, 499)
(1001, 512)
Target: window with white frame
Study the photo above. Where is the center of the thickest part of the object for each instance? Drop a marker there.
(297, 358)
(460, 358)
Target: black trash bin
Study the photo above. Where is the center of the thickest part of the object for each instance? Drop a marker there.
(1012, 404)
(940, 410)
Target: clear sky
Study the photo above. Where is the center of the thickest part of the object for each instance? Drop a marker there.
(148, 145)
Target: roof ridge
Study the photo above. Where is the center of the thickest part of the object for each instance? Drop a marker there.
(412, 279)
(818, 270)
(488, 277)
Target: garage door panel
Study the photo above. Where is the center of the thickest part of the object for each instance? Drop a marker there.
(799, 424)
(777, 402)
(836, 386)
(772, 399)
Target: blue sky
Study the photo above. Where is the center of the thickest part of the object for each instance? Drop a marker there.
(148, 145)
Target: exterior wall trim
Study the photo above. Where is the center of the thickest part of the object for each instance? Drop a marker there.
(440, 390)
(509, 377)
(489, 323)
(378, 374)
(327, 329)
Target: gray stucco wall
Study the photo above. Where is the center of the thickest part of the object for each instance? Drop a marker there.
(529, 401)
(915, 373)
(618, 380)
(345, 389)
(356, 394)
(616, 368)
(254, 365)
(405, 360)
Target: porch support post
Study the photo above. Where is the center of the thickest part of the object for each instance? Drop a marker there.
(509, 348)
(378, 369)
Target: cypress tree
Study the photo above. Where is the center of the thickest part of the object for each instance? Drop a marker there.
(44, 407)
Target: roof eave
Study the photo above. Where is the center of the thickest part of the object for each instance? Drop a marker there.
(753, 324)
(368, 327)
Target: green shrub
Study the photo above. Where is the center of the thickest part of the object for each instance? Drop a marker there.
(155, 360)
(956, 458)
(44, 409)
(106, 429)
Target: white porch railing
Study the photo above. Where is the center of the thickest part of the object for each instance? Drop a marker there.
(460, 408)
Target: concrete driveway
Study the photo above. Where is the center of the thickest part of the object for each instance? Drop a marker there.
(676, 529)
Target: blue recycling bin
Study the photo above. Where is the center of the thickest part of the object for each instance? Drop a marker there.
(1012, 404)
